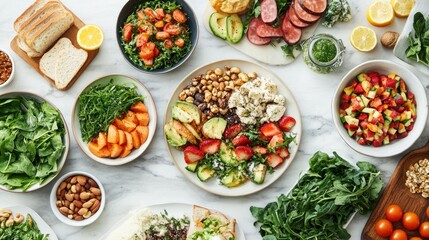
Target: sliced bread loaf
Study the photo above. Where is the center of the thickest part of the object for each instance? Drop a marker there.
(23, 45)
(47, 36)
(28, 13)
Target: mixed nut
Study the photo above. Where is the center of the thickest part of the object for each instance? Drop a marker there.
(78, 197)
(211, 91)
(7, 219)
(5, 67)
(418, 178)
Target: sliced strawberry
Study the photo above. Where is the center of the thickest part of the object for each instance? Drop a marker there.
(283, 152)
(241, 140)
(274, 160)
(193, 154)
(270, 129)
(262, 136)
(286, 123)
(232, 131)
(260, 150)
(243, 152)
(210, 146)
(276, 140)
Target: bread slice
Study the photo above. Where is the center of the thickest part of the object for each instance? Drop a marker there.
(35, 30)
(47, 36)
(226, 228)
(24, 47)
(28, 13)
(62, 62)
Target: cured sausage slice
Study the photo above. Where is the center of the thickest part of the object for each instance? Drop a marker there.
(268, 11)
(295, 20)
(314, 6)
(252, 36)
(291, 34)
(304, 15)
(265, 30)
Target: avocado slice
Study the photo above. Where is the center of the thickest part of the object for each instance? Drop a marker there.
(217, 23)
(186, 112)
(233, 179)
(214, 128)
(234, 28)
(192, 167)
(227, 155)
(173, 137)
(204, 173)
(259, 172)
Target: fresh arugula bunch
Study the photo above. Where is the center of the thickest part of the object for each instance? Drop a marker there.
(25, 230)
(418, 49)
(322, 201)
(31, 142)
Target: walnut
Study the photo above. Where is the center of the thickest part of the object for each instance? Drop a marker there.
(389, 39)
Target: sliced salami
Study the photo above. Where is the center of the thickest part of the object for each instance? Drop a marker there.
(268, 11)
(295, 20)
(314, 6)
(304, 15)
(252, 36)
(265, 30)
(291, 34)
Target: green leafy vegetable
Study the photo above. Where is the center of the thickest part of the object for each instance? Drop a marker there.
(100, 104)
(337, 10)
(27, 230)
(31, 142)
(322, 201)
(418, 48)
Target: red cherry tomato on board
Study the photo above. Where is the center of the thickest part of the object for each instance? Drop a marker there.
(424, 229)
(398, 234)
(411, 221)
(383, 228)
(393, 213)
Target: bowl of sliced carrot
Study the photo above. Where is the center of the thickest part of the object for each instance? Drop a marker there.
(114, 119)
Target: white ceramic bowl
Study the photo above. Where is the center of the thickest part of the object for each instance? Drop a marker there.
(397, 146)
(13, 70)
(66, 140)
(64, 219)
(148, 101)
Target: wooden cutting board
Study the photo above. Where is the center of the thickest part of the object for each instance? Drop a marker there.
(71, 34)
(397, 193)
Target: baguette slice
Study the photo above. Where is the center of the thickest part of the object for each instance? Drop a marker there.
(47, 36)
(24, 47)
(40, 17)
(28, 13)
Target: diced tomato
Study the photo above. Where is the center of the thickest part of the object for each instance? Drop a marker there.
(142, 38)
(410, 95)
(162, 35)
(376, 143)
(148, 62)
(399, 99)
(375, 78)
(127, 32)
(179, 16)
(140, 15)
(179, 42)
(363, 116)
(390, 83)
(168, 44)
(376, 102)
(147, 51)
(159, 24)
(156, 51)
(345, 97)
(410, 127)
(146, 28)
(353, 127)
(358, 88)
(168, 18)
(344, 106)
(400, 109)
(402, 135)
(172, 29)
(383, 80)
(160, 14)
(150, 14)
(361, 141)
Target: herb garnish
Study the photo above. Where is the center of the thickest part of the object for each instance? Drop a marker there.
(418, 49)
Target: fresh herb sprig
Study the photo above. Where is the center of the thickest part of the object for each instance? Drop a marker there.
(100, 104)
(418, 48)
(322, 201)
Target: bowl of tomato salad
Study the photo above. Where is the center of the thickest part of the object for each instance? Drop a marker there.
(380, 108)
(156, 36)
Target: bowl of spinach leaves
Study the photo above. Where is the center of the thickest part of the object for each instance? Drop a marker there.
(157, 36)
(34, 141)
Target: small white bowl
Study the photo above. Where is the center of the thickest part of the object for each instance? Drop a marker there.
(397, 146)
(64, 219)
(151, 108)
(13, 70)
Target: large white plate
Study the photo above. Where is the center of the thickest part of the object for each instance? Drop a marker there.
(175, 210)
(41, 224)
(291, 109)
(402, 44)
(270, 54)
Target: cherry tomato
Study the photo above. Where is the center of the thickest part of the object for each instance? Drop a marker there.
(147, 51)
(411, 221)
(179, 16)
(424, 230)
(172, 29)
(398, 234)
(150, 14)
(416, 238)
(128, 31)
(383, 227)
(427, 211)
(394, 213)
(179, 42)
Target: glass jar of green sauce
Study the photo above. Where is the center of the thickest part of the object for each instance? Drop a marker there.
(323, 53)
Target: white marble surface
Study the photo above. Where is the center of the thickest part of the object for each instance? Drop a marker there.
(153, 178)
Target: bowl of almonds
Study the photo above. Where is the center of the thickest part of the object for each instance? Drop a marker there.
(77, 198)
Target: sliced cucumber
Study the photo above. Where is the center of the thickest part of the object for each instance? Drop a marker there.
(234, 28)
(217, 24)
(204, 173)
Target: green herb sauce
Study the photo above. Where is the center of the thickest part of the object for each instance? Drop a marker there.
(324, 50)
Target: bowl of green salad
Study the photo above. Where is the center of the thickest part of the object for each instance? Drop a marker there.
(156, 36)
(34, 141)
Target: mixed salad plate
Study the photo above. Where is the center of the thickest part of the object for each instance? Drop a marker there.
(223, 149)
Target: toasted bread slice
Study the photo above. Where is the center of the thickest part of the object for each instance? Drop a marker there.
(28, 13)
(226, 228)
(40, 16)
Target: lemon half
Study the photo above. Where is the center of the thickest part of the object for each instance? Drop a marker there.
(363, 38)
(402, 8)
(380, 13)
(90, 37)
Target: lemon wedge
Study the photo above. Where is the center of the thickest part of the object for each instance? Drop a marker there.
(402, 8)
(380, 13)
(90, 37)
(363, 38)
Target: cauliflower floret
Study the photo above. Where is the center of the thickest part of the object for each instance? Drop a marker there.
(275, 111)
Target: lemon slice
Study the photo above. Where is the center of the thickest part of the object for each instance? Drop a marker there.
(402, 8)
(90, 37)
(363, 38)
(380, 13)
